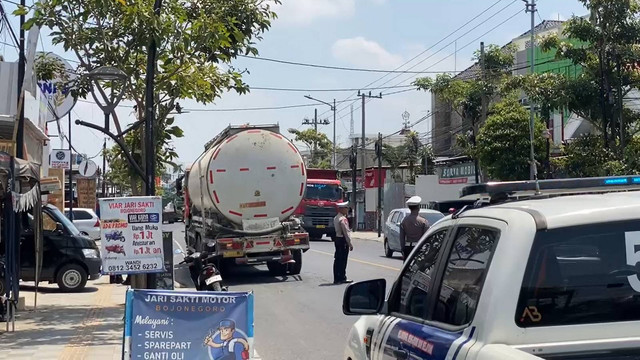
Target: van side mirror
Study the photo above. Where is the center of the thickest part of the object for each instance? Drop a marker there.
(364, 298)
(59, 228)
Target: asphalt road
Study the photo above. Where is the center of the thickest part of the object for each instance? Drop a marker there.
(300, 317)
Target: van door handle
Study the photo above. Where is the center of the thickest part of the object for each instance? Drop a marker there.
(400, 354)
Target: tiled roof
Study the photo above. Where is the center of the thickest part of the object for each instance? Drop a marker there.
(472, 70)
(544, 25)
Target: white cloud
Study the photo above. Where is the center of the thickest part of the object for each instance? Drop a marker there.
(304, 12)
(362, 52)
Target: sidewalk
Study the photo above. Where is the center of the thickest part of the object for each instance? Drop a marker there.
(368, 236)
(85, 325)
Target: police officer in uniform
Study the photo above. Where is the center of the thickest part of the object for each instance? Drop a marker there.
(343, 244)
(413, 226)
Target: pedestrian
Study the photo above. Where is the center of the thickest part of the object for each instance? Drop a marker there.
(413, 226)
(343, 244)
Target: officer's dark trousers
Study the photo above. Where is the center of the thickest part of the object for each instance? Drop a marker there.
(340, 259)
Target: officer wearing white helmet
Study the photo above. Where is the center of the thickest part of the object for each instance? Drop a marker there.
(343, 244)
(413, 226)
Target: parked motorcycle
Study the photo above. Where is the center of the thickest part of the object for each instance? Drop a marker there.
(203, 273)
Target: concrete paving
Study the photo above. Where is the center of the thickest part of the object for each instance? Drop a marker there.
(368, 236)
(84, 325)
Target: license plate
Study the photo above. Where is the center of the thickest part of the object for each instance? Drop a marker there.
(321, 226)
(260, 224)
(232, 254)
(213, 279)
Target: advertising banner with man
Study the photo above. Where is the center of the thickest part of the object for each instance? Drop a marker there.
(162, 324)
(131, 234)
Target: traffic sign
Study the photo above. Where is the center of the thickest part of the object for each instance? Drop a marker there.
(87, 168)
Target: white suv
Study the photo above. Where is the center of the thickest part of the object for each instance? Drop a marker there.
(552, 277)
(86, 220)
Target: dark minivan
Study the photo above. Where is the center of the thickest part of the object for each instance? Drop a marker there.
(69, 259)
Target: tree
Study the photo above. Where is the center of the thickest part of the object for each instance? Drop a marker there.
(412, 153)
(547, 91)
(395, 156)
(586, 156)
(605, 47)
(503, 142)
(464, 95)
(320, 159)
(194, 38)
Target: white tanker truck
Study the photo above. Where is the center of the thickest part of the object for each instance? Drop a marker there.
(240, 196)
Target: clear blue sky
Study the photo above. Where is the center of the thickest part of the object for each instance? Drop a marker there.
(380, 34)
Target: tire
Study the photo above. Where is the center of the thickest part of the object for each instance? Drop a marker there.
(405, 253)
(198, 243)
(276, 268)
(387, 250)
(295, 268)
(71, 278)
(216, 286)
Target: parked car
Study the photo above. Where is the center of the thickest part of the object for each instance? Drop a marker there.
(86, 220)
(69, 258)
(392, 229)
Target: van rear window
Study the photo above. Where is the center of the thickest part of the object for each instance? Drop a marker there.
(582, 275)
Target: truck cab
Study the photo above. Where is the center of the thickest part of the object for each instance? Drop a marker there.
(555, 276)
(319, 204)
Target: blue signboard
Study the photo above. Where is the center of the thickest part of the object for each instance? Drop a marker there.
(176, 325)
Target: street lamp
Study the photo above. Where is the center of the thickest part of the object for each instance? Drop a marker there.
(108, 103)
(333, 108)
(107, 73)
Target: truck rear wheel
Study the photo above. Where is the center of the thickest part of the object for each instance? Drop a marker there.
(276, 268)
(295, 268)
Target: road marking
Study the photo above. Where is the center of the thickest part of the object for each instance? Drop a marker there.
(360, 261)
(175, 241)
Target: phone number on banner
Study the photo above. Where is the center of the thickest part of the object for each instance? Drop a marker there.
(133, 266)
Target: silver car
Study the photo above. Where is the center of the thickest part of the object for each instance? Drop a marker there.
(392, 229)
(86, 221)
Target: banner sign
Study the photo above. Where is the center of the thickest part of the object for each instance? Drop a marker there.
(189, 325)
(131, 234)
(60, 159)
(457, 174)
(86, 193)
(59, 100)
(371, 178)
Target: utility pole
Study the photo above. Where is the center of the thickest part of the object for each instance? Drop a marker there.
(149, 120)
(315, 123)
(335, 159)
(533, 171)
(379, 156)
(620, 105)
(364, 141)
(483, 65)
(353, 159)
(70, 172)
(104, 168)
(21, 70)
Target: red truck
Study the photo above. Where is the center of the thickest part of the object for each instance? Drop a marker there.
(319, 204)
